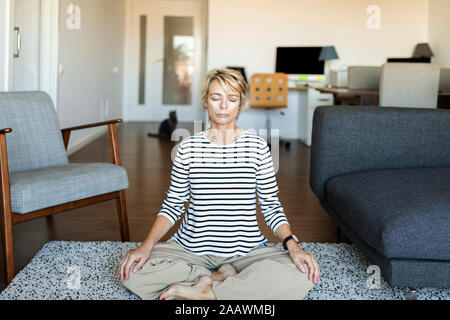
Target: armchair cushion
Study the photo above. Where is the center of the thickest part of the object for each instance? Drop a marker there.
(403, 213)
(46, 187)
(36, 140)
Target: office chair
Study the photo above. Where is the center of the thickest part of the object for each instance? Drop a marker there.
(269, 91)
(413, 85)
(364, 77)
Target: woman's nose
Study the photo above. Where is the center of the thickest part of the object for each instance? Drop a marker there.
(224, 104)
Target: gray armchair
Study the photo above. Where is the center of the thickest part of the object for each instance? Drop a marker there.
(37, 179)
(413, 85)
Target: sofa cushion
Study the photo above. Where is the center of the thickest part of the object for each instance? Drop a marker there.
(402, 213)
(46, 187)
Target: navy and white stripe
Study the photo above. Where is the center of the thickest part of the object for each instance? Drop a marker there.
(222, 182)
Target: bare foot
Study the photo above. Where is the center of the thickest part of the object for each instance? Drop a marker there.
(202, 290)
(223, 272)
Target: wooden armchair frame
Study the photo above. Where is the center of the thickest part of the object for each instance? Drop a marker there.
(8, 218)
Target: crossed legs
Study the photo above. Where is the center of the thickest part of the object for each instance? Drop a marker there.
(174, 273)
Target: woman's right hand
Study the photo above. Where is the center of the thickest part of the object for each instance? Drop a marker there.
(139, 256)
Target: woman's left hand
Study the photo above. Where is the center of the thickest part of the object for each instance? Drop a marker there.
(300, 256)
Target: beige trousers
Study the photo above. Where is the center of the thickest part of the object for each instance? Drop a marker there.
(265, 273)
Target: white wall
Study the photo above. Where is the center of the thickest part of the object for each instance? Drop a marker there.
(240, 32)
(247, 32)
(88, 57)
(439, 31)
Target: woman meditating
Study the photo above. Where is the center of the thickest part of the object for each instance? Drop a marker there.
(218, 252)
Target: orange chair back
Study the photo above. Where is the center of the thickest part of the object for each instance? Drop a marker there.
(268, 90)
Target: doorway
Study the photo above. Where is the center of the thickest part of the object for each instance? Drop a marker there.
(165, 61)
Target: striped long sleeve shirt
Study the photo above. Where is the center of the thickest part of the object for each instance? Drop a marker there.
(222, 182)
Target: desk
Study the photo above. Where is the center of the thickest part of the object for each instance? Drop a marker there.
(345, 96)
(303, 101)
(444, 100)
(304, 88)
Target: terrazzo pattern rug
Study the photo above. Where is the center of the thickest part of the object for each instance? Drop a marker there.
(88, 271)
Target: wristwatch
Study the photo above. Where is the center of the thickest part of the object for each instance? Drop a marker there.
(289, 238)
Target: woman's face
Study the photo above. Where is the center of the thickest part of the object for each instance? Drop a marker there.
(222, 104)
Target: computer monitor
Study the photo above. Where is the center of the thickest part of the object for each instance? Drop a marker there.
(299, 60)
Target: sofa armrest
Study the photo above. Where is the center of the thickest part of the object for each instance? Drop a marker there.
(347, 139)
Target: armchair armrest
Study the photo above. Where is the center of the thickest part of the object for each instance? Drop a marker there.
(66, 131)
(5, 130)
(91, 125)
(4, 176)
(113, 141)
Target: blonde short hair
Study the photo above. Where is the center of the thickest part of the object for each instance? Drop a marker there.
(228, 78)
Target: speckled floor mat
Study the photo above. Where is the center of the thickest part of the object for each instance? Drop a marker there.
(88, 270)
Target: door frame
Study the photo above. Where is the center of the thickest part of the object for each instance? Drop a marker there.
(128, 47)
(49, 59)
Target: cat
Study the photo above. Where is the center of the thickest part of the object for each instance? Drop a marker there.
(166, 127)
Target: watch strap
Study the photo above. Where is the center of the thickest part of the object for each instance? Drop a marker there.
(286, 240)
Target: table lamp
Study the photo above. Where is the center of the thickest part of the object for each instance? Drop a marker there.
(328, 53)
(422, 50)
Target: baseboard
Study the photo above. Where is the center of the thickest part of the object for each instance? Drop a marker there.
(85, 141)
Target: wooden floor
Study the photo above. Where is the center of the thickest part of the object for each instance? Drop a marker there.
(148, 163)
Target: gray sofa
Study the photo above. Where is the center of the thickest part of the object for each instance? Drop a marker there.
(383, 176)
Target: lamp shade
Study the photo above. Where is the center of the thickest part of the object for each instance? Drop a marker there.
(328, 53)
(422, 50)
